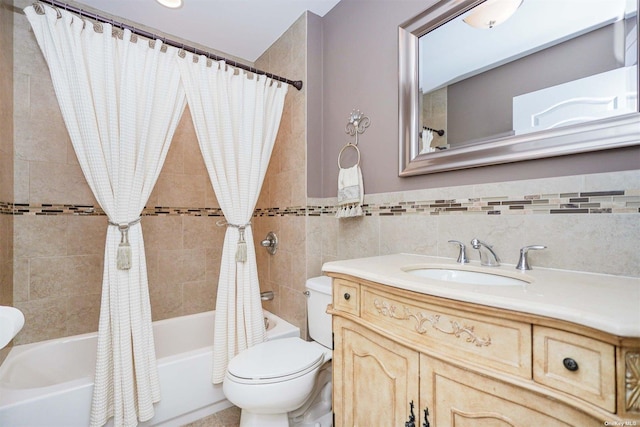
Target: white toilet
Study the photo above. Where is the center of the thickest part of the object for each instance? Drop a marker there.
(273, 379)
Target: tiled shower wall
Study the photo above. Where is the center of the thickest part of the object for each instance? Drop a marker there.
(59, 232)
(6, 159)
(283, 198)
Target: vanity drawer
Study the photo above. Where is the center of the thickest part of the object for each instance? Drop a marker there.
(346, 296)
(578, 365)
(445, 330)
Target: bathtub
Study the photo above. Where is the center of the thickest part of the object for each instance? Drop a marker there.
(50, 383)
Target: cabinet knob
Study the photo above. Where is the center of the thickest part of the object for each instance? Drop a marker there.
(347, 296)
(570, 364)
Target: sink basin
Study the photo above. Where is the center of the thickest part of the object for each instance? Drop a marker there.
(466, 276)
(11, 321)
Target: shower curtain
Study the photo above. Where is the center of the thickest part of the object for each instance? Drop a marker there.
(121, 100)
(236, 120)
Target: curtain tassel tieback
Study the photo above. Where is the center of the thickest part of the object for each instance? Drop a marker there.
(241, 248)
(123, 259)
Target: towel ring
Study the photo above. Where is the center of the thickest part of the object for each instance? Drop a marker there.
(355, 147)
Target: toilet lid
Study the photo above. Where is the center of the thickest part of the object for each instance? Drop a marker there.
(278, 359)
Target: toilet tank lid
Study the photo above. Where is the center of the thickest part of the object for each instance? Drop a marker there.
(320, 284)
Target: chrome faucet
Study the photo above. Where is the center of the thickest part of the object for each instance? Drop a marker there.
(462, 255)
(523, 263)
(487, 256)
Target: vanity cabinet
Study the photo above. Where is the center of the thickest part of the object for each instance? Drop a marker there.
(376, 378)
(460, 398)
(472, 365)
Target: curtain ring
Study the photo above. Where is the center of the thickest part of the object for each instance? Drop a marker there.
(355, 147)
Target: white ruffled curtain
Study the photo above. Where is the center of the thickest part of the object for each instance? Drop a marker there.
(121, 100)
(236, 120)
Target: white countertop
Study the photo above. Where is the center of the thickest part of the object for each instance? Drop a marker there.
(604, 302)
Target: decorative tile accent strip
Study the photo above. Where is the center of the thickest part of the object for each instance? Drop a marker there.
(6, 208)
(594, 202)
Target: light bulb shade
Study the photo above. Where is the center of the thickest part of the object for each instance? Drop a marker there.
(492, 13)
(172, 4)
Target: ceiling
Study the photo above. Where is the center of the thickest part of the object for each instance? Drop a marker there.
(463, 51)
(241, 28)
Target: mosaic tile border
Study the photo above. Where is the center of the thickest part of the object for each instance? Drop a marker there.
(590, 202)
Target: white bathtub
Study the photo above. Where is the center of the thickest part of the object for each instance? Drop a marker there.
(50, 383)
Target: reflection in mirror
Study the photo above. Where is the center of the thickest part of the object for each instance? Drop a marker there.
(539, 72)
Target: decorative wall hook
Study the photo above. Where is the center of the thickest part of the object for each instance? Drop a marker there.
(358, 122)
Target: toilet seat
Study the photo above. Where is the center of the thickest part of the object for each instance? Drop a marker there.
(275, 361)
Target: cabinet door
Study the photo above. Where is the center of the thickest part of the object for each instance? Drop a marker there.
(456, 397)
(374, 379)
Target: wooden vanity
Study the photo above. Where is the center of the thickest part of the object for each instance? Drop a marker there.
(472, 364)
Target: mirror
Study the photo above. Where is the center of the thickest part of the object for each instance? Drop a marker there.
(550, 78)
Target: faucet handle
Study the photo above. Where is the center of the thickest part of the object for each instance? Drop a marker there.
(523, 262)
(462, 256)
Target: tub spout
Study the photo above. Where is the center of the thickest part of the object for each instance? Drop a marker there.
(267, 295)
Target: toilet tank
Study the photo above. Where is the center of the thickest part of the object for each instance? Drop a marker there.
(319, 297)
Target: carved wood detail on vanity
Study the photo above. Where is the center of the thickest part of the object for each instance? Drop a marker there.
(632, 381)
(477, 339)
(421, 319)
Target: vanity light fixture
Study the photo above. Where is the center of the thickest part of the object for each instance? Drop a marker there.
(171, 4)
(492, 13)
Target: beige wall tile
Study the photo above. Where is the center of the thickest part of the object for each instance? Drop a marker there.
(293, 308)
(314, 265)
(20, 181)
(408, 233)
(45, 319)
(201, 232)
(176, 190)
(358, 237)
(595, 243)
(60, 183)
(174, 162)
(47, 277)
(330, 227)
(612, 181)
(162, 232)
(21, 279)
(40, 235)
(199, 296)
(86, 235)
(83, 314)
(166, 302)
(280, 269)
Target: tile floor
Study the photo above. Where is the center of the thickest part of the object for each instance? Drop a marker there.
(228, 418)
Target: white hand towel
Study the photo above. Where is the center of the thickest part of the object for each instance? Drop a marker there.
(350, 192)
(427, 137)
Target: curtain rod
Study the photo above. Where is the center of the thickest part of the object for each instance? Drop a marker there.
(295, 83)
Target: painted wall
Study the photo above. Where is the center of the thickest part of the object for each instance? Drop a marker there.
(360, 71)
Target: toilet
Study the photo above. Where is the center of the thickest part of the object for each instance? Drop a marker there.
(287, 382)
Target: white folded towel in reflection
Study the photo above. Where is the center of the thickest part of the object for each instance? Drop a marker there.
(427, 138)
(350, 192)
